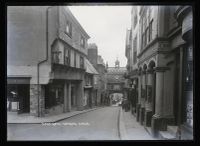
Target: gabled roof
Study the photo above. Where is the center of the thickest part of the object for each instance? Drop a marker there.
(90, 68)
(75, 20)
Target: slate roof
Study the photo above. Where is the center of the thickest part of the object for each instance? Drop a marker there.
(90, 68)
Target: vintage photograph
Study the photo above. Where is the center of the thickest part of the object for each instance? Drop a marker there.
(99, 72)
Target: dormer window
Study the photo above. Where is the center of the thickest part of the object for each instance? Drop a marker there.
(69, 29)
(82, 42)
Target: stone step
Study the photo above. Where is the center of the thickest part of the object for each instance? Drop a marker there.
(172, 130)
(148, 129)
(165, 135)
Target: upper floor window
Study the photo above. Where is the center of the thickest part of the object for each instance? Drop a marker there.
(147, 35)
(135, 50)
(149, 14)
(88, 80)
(74, 59)
(81, 62)
(56, 56)
(147, 30)
(135, 20)
(135, 57)
(95, 80)
(130, 38)
(67, 57)
(82, 42)
(69, 29)
(150, 30)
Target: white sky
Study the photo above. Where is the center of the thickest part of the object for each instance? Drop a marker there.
(106, 26)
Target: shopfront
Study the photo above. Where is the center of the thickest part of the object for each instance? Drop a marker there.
(54, 94)
(18, 94)
(87, 100)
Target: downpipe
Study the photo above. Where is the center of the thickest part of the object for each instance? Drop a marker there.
(39, 63)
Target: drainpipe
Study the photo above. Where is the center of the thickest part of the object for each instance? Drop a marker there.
(40, 62)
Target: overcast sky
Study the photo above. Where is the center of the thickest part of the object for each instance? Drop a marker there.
(106, 26)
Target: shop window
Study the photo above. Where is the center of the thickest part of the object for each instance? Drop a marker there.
(189, 76)
(189, 70)
(12, 94)
(54, 95)
(59, 95)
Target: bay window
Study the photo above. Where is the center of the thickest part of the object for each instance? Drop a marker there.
(74, 59)
(81, 62)
(56, 56)
(67, 57)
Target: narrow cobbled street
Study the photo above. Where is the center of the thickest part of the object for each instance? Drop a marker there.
(100, 124)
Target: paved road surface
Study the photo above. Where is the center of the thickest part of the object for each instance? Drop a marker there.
(100, 124)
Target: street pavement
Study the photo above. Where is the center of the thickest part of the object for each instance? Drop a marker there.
(107, 123)
(100, 124)
(14, 117)
(133, 130)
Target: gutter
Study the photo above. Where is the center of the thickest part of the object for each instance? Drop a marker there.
(40, 62)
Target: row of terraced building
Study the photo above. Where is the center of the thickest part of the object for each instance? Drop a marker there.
(159, 50)
(48, 67)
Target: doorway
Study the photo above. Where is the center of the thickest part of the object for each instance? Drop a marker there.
(18, 96)
(73, 97)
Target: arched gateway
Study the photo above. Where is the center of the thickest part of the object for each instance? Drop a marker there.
(115, 82)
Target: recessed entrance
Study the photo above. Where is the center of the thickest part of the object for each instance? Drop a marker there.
(18, 98)
(73, 97)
